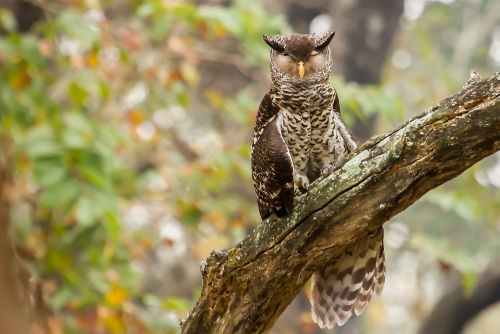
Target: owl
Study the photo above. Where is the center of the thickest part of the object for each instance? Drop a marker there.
(298, 136)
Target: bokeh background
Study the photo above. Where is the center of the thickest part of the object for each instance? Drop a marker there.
(125, 130)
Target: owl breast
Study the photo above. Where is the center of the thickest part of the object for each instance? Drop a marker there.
(309, 130)
(297, 136)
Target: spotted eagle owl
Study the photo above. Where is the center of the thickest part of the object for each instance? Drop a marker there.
(299, 135)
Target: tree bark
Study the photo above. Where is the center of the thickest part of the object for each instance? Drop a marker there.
(14, 317)
(247, 287)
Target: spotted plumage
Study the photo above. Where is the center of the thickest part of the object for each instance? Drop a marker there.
(299, 134)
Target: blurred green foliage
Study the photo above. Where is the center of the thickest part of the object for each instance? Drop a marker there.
(74, 93)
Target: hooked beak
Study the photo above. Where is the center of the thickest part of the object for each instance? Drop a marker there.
(300, 67)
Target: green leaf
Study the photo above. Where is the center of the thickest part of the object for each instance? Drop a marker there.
(61, 194)
(192, 215)
(39, 142)
(469, 280)
(30, 51)
(78, 94)
(7, 20)
(176, 304)
(95, 175)
(85, 211)
(227, 17)
(172, 303)
(72, 139)
(148, 9)
(86, 84)
(161, 27)
(61, 298)
(79, 122)
(48, 171)
(113, 225)
(79, 28)
(106, 200)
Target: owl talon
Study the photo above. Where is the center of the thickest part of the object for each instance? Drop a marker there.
(304, 185)
(300, 182)
(325, 169)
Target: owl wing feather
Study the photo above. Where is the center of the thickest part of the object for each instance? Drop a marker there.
(272, 166)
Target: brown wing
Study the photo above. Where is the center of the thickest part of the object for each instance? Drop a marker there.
(272, 169)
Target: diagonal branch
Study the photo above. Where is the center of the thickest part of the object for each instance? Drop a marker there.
(247, 287)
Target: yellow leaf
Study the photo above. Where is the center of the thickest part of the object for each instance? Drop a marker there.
(189, 73)
(116, 295)
(217, 219)
(136, 117)
(115, 324)
(220, 31)
(215, 98)
(111, 319)
(93, 60)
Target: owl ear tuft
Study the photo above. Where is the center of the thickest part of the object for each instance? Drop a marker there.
(325, 40)
(273, 43)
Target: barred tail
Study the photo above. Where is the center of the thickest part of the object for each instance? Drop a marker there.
(347, 285)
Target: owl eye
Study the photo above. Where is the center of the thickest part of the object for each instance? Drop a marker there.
(286, 54)
(314, 53)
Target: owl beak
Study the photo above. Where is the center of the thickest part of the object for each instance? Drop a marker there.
(300, 67)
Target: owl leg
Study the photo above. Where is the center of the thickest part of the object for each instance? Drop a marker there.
(299, 158)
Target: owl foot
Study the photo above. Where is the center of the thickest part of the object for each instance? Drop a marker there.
(302, 183)
(325, 169)
(305, 186)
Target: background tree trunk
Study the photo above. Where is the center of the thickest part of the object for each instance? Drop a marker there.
(14, 316)
(25, 12)
(363, 40)
(456, 308)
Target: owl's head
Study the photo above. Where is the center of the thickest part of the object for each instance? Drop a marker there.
(300, 58)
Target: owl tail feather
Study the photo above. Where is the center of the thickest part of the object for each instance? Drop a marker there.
(347, 285)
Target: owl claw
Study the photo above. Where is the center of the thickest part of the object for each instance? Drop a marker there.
(301, 182)
(306, 186)
(303, 185)
(325, 169)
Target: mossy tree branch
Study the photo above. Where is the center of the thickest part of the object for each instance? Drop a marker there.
(247, 287)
